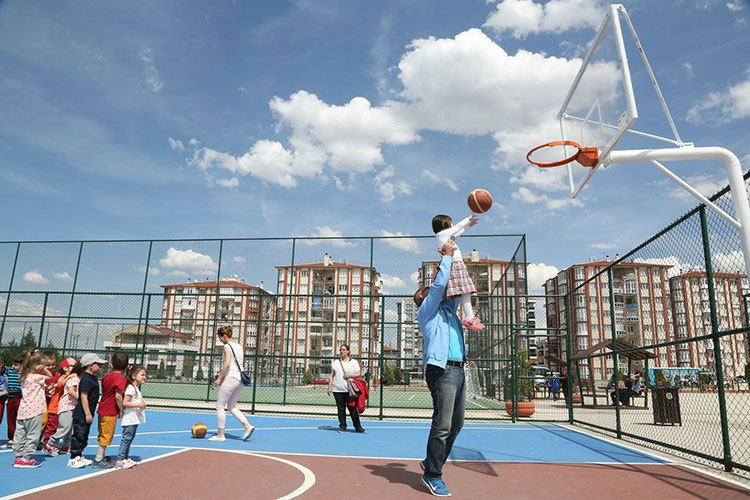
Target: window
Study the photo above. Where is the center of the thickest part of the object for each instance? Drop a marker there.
(342, 288)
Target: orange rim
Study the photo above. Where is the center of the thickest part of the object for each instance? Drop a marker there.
(587, 157)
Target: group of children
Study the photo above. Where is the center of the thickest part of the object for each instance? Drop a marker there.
(54, 411)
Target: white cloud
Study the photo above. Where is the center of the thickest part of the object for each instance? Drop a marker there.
(392, 285)
(525, 17)
(228, 183)
(35, 277)
(152, 74)
(528, 196)
(603, 246)
(327, 232)
(389, 189)
(707, 185)
(513, 97)
(63, 276)
(414, 277)
(407, 244)
(439, 180)
(153, 271)
(177, 145)
(722, 107)
(537, 274)
(735, 5)
(689, 69)
(239, 259)
(189, 260)
(182, 274)
(732, 262)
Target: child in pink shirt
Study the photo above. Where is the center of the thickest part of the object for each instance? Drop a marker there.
(34, 376)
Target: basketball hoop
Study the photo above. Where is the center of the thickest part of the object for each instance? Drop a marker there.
(588, 157)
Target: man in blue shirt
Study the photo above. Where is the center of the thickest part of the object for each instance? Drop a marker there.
(443, 358)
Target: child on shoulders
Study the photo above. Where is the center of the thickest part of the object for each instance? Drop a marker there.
(459, 282)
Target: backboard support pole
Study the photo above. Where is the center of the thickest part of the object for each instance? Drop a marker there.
(734, 174)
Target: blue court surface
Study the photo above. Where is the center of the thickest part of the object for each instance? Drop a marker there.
(166, 432)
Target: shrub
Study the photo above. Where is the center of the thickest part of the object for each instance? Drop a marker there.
(307, 378)
(199, 374)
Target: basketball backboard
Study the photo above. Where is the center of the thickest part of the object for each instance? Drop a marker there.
(600, 105)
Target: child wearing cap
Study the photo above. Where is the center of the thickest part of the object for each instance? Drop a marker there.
(60, 408)
(83, 414)
(110, 407)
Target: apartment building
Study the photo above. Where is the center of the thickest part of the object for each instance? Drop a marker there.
(641, 314)
(324, 305)
(692, 318)
(198, 308)
(409, 342)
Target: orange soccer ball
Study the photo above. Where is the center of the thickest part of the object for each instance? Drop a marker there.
(480, 200)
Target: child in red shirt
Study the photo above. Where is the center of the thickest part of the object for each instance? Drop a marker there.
(110, 406)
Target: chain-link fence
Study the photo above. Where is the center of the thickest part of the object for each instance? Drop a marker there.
(291, 304)
(659, 340)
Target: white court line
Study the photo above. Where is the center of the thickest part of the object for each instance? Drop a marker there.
(669, 461)
(81, 478)
(474, 402)
(412, 397)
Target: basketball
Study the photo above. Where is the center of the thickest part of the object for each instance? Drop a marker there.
(199, 430)
(480, 200)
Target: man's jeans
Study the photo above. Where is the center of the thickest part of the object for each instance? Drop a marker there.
(448, 401)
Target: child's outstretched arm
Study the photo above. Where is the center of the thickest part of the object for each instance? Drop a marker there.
(458, 229)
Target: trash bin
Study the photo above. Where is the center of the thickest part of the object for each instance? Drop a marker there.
(666, 404)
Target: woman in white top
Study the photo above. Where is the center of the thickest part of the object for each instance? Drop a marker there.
(229, 378)
(342, 369)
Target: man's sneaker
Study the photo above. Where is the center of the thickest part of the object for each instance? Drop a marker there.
(28, 463)
(78, 462)
(248, 432)
(104, 463)
(123, 464)
(217, 438)
(423, 465)
(51, 450)
(473, 324)
(341, 429)
(361, 431)
(436, 486)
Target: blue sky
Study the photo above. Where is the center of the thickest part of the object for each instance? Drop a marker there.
(188, 119)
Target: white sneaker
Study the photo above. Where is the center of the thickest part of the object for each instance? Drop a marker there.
(124, 464)
(86, 461)
(77, 463)
(132, 462)
(217, 438)
(248, 432)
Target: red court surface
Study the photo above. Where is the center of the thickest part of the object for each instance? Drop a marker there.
(209, 474)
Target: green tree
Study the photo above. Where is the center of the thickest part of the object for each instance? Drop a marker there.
(523, 375)
(161, 373)
(388, 377)
(398, 375)
(199, 374)
(187, 367)
(307, 378)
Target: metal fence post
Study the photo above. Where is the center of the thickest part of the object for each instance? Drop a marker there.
(44, 316)
(257, 349)
(287, 304)
(72, 297)
(143, 297)
(10, 288)
(568, 362)
(716, 343)
(616, 362)
(513, 363)
(213, 328)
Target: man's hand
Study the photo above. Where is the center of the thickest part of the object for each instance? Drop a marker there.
(473, 220)
(89, 418)
(448, 248)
